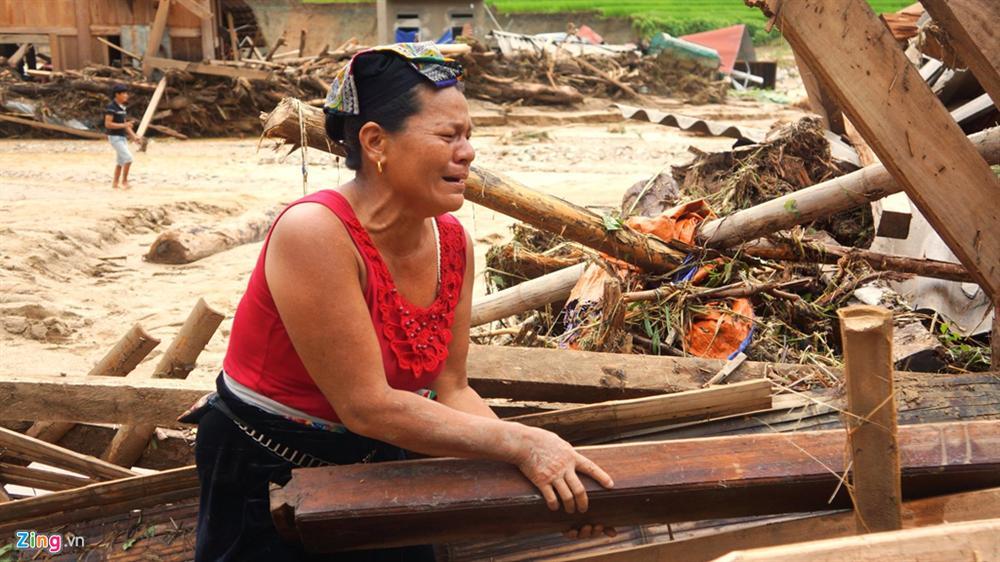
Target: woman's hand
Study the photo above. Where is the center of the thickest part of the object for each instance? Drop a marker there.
(551, 464)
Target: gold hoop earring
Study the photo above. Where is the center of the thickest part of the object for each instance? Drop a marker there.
(379, 163)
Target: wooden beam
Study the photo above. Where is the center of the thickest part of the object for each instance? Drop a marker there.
(177, 361)
(154, 101)
(33, 449)
(579, 424)
(37, 30)
(119, 49)
(195, 7)
(15, 59)
(155, 36)
(52, 127)
(208, 33)
(866, 332)
(506, 196)
(213, 70)
(38, 478)
(951, 542)
(234, 42)
(525, 296)
(952, 508)
(905, 124)
(55, 49)
(82, 9)
(102, 499)
(440, 500)
(274, 48)
(119, 361)
(972, 27)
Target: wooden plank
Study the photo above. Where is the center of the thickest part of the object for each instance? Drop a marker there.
(894, 215)
(15, 59)
(606, 418)
(37, 30)
(972, 541)
(866, 332)
(104, 498)
(155, 36)
(972, 27)
(820, 101)
(440, 500)
(197, 8)
(82, 12)
(952, 508)
(910, 131)
(42, 479)
(201, 68)
(154, 101)
(52, 127)
(33, 449)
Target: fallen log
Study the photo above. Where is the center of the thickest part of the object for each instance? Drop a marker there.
(179, 246)
(949, 542)
(843, 193)
(576, 425)
(490, 190)
(526, 296)
(439, 500)
(106, 498)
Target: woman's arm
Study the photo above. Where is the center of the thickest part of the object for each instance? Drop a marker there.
(313, 273)
(452, 385)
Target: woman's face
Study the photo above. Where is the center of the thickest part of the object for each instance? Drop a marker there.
(428, 160)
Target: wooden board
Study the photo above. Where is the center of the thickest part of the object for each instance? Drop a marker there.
(972, 27)
(972, 541)
(102, 499)
(609, 418)
(438, 500)
(51, 127)
(952, 508)
(210, 69)
(904, 122)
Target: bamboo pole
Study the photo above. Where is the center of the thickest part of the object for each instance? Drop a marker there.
(130, 350)
(871, 424)
(531, 294)
(130, 441)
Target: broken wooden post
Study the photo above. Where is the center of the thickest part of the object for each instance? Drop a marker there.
(155, 36)
(130, 350)
(15, 59)
(525, 296)
(971, 26)
(904, 122)
(179, 246)
(824, 199)
(490, 190)
(302, 43)
(441, 500)
(233, 40)
(605, 419)
(29, 448)
(274, 48)
(871, 420)
(179, 359)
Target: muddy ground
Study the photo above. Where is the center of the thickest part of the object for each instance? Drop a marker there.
(72, 277)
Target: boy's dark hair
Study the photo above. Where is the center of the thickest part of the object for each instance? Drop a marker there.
(391, 116)
(118, 88)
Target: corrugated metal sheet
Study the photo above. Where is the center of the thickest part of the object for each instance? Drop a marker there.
(686, 123)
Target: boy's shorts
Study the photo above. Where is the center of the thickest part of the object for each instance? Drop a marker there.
(120, 145)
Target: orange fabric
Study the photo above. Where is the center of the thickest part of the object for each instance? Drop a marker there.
(719, 332)
(677, 223)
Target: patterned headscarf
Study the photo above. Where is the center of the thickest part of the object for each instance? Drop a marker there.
(425, 58)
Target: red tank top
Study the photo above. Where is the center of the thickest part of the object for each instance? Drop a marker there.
(414, 340)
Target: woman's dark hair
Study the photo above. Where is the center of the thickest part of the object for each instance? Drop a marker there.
(391, 116)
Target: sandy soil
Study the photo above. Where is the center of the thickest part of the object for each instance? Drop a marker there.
(72, 278)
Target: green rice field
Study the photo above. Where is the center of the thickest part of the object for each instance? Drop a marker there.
(677, 17)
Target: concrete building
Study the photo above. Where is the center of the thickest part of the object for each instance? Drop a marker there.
(428, 20)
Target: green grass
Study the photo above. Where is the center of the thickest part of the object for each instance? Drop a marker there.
(676, 17)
